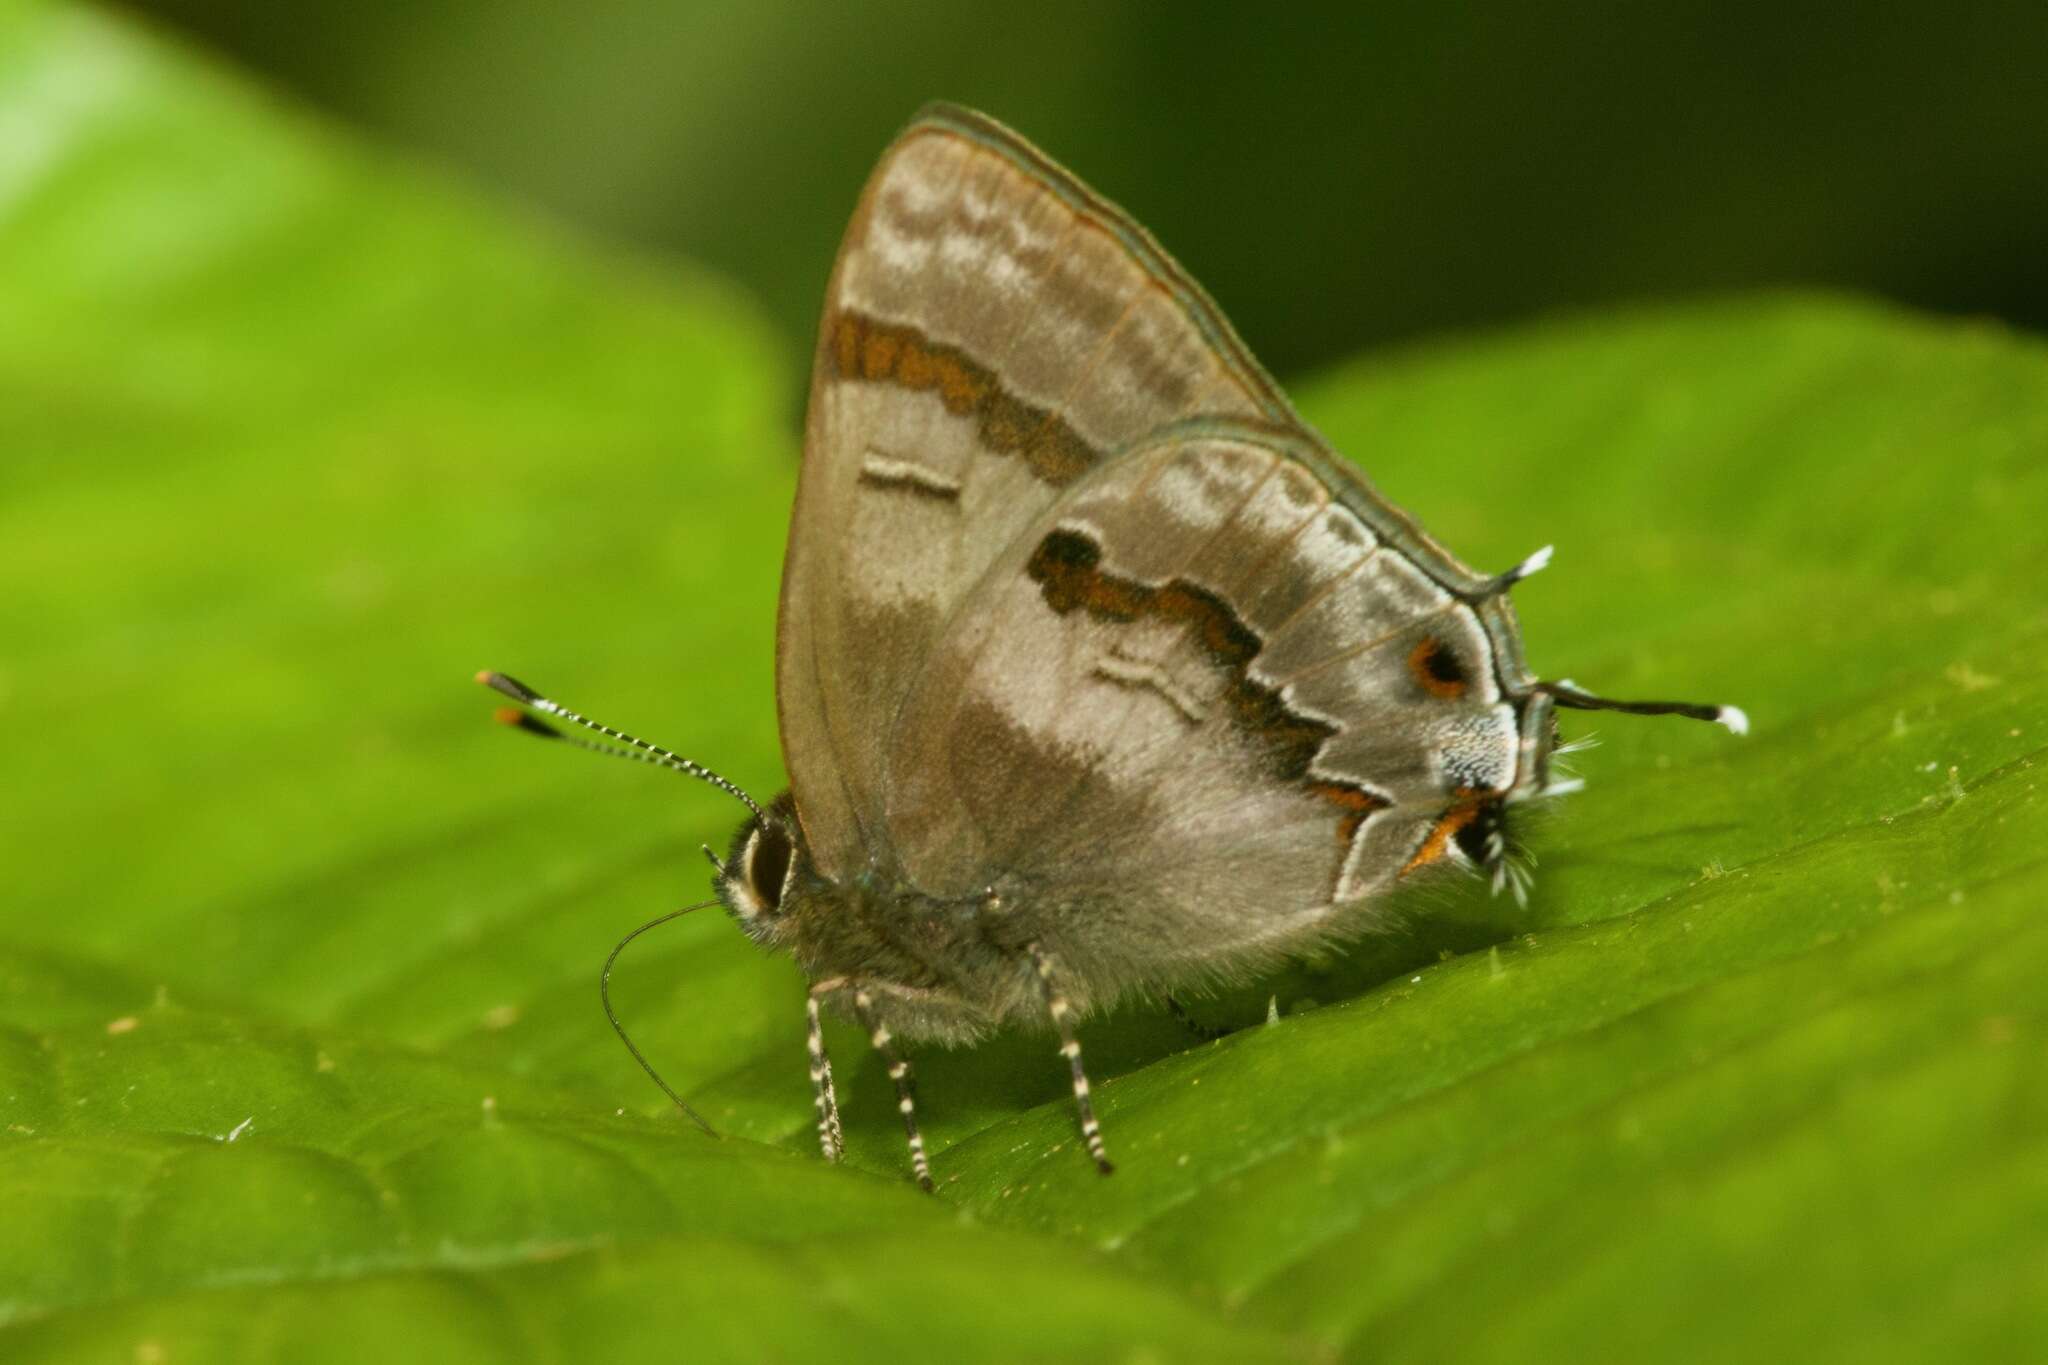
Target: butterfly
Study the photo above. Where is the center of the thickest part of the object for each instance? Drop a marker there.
(1099, 673)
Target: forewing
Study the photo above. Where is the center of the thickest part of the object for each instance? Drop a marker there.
(993, 334)
(1198, 704)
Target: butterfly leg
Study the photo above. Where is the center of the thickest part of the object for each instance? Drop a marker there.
(827, 1099)
(899, 1072)
(1070, 1047)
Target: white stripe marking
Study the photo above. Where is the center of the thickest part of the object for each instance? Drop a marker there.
(883, 469)
(1137, 673)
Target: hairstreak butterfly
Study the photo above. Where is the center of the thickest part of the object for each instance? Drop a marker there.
(1098, 672)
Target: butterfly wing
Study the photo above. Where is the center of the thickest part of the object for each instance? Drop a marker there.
(1209, 696)
(993, 332)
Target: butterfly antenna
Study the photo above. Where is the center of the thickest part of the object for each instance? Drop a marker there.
(1566, 694)
(1501, 582)
(639, 750)
(604, 993)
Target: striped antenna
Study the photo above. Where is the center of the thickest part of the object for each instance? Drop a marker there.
(639, 750)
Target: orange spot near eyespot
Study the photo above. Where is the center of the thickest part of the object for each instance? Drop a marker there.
(1440, 836)
(1434, 670)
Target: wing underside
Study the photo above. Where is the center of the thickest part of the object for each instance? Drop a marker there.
(1201, 689)
(992, 333)
(1075, 607)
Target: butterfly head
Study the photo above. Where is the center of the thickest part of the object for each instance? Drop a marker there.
(1478, 830)
(759, 882)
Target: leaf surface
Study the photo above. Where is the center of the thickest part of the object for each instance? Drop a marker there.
(299, 1046)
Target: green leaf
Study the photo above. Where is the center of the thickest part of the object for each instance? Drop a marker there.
(299, 1053)
(299, 1047)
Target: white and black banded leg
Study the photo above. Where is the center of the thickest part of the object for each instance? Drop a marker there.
(899, 1072)
(1070, 1047)
(827, 1099)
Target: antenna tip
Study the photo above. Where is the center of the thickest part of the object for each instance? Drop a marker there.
(1500, 583)
(508, 715)
(509, 686)
(1734, 717)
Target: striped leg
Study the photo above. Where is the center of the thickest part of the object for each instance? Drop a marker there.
(827, 1099)
(1070, 1048)
(899, 1072)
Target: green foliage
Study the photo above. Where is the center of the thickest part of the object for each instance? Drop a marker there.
(299, 1046)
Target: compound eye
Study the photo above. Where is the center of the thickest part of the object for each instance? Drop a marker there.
(766, 865)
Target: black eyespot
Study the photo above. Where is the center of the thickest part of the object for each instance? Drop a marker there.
(768, 854)
(1436, 669)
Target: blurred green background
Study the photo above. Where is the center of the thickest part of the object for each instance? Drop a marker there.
(1337, 174)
